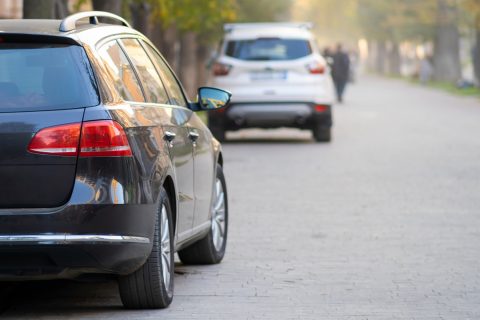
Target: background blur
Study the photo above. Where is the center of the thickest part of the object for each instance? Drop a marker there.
(436, 42)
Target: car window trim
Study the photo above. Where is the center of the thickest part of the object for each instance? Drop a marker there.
(182, 89)
(111, 39)
(150, 59)
(120, 44)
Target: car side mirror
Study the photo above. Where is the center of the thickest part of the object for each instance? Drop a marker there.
(211, 99)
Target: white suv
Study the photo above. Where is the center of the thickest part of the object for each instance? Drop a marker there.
(278, 76)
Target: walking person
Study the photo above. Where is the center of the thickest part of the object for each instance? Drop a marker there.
(340, 71)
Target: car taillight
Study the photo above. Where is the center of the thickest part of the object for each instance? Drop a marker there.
(316, 68)
(220, 69)
(321, 108)
(59, 141)
(103, 138)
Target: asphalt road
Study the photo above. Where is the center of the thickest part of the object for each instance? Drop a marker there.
(382, 223)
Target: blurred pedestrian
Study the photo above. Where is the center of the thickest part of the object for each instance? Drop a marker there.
(340, 71)
(426, 70)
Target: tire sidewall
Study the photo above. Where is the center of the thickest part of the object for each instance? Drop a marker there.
(164, 200)
(219, 254)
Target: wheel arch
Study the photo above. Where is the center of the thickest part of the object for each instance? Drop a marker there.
(169, 187)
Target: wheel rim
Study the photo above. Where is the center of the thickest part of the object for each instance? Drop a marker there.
(165, 247)
(218, 216)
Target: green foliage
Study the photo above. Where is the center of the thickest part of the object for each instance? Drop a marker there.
(205, 17)
(262, 10)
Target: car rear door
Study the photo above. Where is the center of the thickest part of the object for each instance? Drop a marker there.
(199, 138)
(175, 129)
(44, 88)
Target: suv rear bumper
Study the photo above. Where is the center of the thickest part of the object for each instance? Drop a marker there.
(301, 115)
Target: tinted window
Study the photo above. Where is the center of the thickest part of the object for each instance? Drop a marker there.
(171, 83)
(152, 84)
(268, 49)
(45, 77)
(121, 72)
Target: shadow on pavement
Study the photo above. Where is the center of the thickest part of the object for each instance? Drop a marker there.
(50, 298)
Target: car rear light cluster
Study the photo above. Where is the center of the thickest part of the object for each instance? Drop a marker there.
(316, 67)
(220, 69)
(321, 108)
(103, 138)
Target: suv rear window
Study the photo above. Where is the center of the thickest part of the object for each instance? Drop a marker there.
(268, 49)
(36, 77)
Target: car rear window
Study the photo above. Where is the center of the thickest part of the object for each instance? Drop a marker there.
(268, 49)
(36, 77)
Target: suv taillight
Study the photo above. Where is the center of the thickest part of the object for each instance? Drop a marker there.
(103, 138)
(220, 69)
(316, 68)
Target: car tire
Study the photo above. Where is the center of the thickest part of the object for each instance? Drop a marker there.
(151, 286)
(218, 132)
(211, 249)
(322, 134)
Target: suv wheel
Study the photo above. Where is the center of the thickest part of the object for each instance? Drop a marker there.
(151, 286)
(211, 249)
(322, 134)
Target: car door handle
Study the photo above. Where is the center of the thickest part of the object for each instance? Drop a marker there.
(169, 136)
(193, 136)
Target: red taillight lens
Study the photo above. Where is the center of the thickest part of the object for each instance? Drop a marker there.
(104, 138)
(220, 69)
(60, 140)
(316, 68)
(321, 108)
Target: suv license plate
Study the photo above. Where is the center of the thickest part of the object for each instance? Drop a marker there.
(268, 75)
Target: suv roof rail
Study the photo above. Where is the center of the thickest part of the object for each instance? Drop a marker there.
(69, 23)
(229, 27)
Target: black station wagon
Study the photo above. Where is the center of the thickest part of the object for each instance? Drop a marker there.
(104, 166)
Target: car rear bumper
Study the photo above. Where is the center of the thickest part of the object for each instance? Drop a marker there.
(74, 240)
(272, 115)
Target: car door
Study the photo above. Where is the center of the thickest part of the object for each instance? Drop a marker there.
(174, 129)
(201, 141)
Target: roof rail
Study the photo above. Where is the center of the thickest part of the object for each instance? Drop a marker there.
(69, 23)
(229, 27)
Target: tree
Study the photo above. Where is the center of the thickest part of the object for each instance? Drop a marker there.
(446, 57)
(472, 8)
(113, 6)
(197, 23)
(45, 9)
(262, 10)
(38, 9)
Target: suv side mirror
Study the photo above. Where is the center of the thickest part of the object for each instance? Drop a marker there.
(211, 99)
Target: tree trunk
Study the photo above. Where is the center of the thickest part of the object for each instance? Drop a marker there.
(61, 9)
(476, 52)
(113, 6)
(170, 46)
(188, 62)
(39, 9)
(394, 59)
(446, 55)
(141, 16)
(381, 57)
(203, 57)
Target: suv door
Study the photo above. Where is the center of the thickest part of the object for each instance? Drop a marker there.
(201, 139)
(174, 129)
